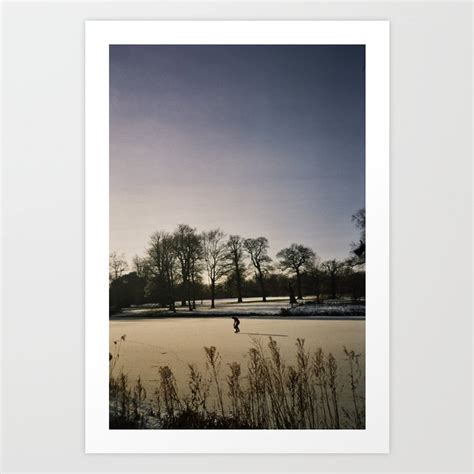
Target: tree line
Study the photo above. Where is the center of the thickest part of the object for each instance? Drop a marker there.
(187, 266)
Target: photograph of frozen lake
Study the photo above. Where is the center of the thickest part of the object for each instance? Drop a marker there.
(237, 237)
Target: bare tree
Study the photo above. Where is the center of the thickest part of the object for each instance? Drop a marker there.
(141, 266)
(333, 269)
(188, 251)
(214, 253)
(195, 272)
(163, 262)
(235, 247)
(316, 277)
(295, 258)
(117, 266)
(258, 252)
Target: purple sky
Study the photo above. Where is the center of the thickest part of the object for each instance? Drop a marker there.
(256, 140)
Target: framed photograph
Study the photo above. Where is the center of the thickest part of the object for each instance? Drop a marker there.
(237, 236)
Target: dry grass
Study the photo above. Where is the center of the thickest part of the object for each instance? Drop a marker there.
(272, 394)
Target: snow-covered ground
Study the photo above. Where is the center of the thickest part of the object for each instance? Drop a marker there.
(274, 306)
(332, 310)
(176, 342)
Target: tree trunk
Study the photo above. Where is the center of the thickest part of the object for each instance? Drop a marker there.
(213, 294)
(292, 294)
(193, 291)
(171, 294)
(262, 286)
(333, 286)
(189, 295)
(172, 305)
(239, 284)
(298, 284)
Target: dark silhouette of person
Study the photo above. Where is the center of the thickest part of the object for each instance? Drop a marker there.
(236, 324)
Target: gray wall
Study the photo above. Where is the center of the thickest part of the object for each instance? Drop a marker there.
(43, 238)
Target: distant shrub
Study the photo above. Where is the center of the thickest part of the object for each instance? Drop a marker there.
(114, 310)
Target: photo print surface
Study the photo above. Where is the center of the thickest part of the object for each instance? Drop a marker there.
(237, 178)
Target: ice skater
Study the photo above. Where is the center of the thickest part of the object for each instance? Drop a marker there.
(236, 324)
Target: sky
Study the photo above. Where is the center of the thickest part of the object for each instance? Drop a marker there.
(256, 140)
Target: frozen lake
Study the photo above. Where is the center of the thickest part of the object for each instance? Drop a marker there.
(175, 342)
